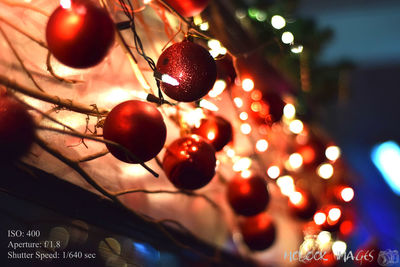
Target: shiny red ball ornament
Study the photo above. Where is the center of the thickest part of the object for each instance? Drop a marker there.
(191, 69)
(17, 129)
(189, 162)
(80, 36)
(139, 127)
(216, 130)
(188, 8)
(258, 232)
(249, 196)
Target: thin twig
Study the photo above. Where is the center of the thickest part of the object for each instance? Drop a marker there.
(104, 141)
(94, 156)
(184, 192)
(51, 71)
(23, 32)
(66, 103)
(20, 59)
(25, 6)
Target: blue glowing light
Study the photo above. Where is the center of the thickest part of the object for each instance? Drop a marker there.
(386, 157)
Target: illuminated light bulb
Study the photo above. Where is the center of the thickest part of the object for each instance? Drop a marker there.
(169, 80)
(230, 152)
(332, 153)
(273, 172)
(296, 126)
(295, 160)
(324, 238)
(261, 16)
(242, 164)
(296, 198)
(347, 194)
(214, 53)
(278, 22)
(238, 102)
(287, 37)
(325, 171)
(197, 20)
(193, 117)
(240, 13)
(222, 51)
(245, 174)
(243, 116)
(256, 106)
(262, 145)
(339, 248)
(248, 85)
(146, 1)
(65, 4)
(218, 88)
(208, 105)
(214, 44)
(289, 111)
(286, 184)
(245, 128)
(319, 218)
(296, 49)
(211, 136)
(204, 26)
(334, 214)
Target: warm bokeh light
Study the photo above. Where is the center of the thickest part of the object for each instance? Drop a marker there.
(247, 85)
(295, 160)
(214, 44)
(286, 184)
(296, 49)
(242, 164)
(324, 238)
(193, 117)
(296, 126)
(238, 102)
(204, 26)
(256, 95)
(211, 135)
(273, 172)
(332, 153)
(347, 194)
(229, 151)
(296, 198)
(262, 145)
(245, 128)
(243, 116)
(278, 22)
(319, 218)
(334, 214)
(218, 88)
(65, 4)
(339, 248)
(325, 171)
(289, 111)
(287, 37)
(245, 174)
(208, 105)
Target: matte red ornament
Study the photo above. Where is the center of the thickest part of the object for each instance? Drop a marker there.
(305, 207)
(249, 196)
(17, 129)
(80, 36)
(188, 8)
(258, 232)
(189, 162)
(216, 130)
(193, 69)
(139, 127)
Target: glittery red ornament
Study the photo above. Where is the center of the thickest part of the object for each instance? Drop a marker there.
(225, 69)
(189, 162)
(80, 36)
(216, 130)
(249, 196)
(139, 127)
(188, 8)
(17, 129)
(193, 69)
(258, 232)
(303, 207)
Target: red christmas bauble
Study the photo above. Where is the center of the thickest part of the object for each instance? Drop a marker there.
(275, 106)
(139, 127)
(80, 36)
(193, 69)
(189, 162)
(17, 129)
(188, 8)
(249, 196)
(303, 207)
(258, 232)
(225, 69)
(216, 130)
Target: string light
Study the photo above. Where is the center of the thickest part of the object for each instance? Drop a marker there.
(339, 248)
(295, 160)
(273, 172)
(238, 102)
(324, 237)
(319, 218)
(242, 164)
(296, 49)
(278, 22)
(296, 198)
(204, 26)
(243, 116)
(208, 105)
(334, 214)
(287, 37)
(347, 194)
(286, 184)
(245, 128)
(289, 111)
(218, 88)
(332, 153)
(247, 85)
(65, 4)
(296, 126)
(325, 171)
(262, 145)
(245, 174)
